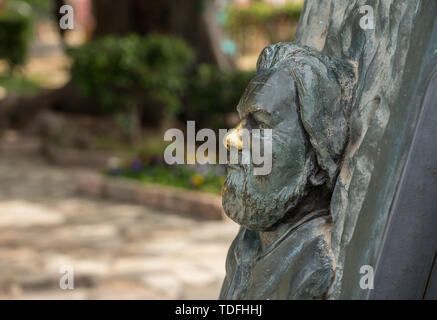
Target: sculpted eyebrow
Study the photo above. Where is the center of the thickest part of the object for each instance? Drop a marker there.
(262, 83)
(258, 110)
(260, 115)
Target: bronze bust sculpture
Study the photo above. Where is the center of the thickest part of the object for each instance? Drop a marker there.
(283, 248)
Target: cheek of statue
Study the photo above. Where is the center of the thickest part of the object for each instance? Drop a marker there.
(259, 201)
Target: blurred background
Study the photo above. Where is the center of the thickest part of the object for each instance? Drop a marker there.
(91, 103)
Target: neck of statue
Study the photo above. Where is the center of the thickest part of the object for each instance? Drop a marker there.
(307, 209)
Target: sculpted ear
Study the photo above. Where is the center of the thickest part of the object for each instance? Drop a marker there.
(324, 108)
(322, 113)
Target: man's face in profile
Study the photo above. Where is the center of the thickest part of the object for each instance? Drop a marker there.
(259, 201)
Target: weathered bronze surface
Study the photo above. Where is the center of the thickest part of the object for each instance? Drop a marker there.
(283, 247)
(342, 103)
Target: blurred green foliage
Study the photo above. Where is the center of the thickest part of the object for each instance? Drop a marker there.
(123, 71)
(260, 13)
(37, 6)
(151, 145)
(180, 176)
(260, 19)
(15, 31)
(214, 93)
(19, 85)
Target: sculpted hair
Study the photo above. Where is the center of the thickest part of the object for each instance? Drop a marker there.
(325, 87)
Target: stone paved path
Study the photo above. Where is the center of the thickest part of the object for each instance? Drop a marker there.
(117, 251)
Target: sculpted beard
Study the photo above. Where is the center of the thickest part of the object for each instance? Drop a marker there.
(257, 210)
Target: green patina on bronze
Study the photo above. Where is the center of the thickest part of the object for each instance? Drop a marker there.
(305, 98)
(329, 98)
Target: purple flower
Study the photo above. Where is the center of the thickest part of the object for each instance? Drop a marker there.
(136, 165)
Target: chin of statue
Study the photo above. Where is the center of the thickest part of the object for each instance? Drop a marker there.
(253, 209)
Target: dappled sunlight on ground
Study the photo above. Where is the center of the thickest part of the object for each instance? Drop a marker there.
(117, 251)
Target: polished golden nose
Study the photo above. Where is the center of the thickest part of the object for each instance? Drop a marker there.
(234, 138)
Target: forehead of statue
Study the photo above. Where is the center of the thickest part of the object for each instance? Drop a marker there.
(270, 90)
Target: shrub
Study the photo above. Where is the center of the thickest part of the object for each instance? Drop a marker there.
(177, 176)
(262, 21)
(260, 13)
(15, 29)
(121, 72)
(214, 93)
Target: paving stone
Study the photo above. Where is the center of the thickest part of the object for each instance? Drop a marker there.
(117, 250)
(165, 284)
(18, 213)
